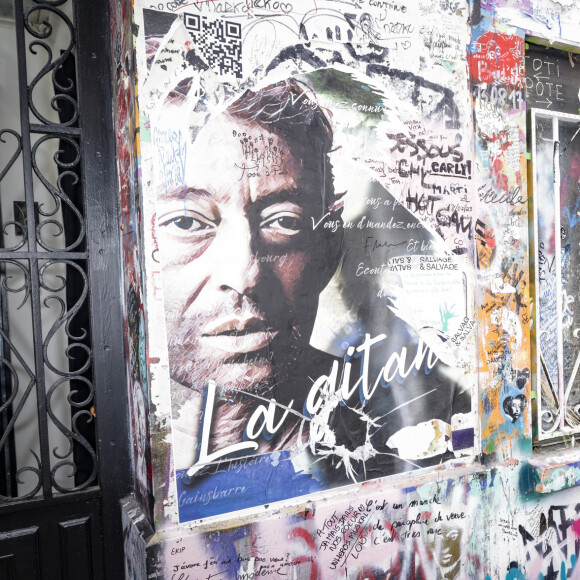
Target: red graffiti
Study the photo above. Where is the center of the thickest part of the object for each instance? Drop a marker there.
(501, 178)
(308, 538)
(576, 528)
(498, 58)
(490, 238)
(305, 535)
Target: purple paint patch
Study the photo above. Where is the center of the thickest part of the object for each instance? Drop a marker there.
(462, 438)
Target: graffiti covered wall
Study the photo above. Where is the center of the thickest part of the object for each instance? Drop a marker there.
(127, 144)
(338, 242)
(485, 525)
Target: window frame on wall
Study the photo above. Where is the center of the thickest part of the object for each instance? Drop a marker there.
(561, 424)
(542, 107)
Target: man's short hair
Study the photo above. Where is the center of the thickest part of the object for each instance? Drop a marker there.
(290, 110)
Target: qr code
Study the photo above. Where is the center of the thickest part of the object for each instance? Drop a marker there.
(218, 42)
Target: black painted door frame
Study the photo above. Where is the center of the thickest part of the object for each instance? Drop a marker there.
(79, 534)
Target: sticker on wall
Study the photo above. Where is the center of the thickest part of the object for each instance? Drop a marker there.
(216, 42)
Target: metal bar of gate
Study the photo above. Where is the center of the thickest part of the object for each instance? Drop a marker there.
(32, 248)
(56, 255)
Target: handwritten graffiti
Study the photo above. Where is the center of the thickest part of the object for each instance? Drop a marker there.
(552, 539)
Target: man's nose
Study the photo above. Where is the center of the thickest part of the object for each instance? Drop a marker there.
(236, 267)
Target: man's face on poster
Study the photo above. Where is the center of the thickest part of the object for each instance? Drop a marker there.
(243, 265)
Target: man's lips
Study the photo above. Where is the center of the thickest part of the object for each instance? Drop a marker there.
(238, 335)
(235, 325)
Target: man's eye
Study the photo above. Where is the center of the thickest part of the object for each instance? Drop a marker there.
(286, 223)
(188, 222)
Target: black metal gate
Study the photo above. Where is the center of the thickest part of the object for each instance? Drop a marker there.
(62, 370)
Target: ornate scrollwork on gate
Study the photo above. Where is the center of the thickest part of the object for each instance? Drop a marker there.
(52, 65)
(13, 406)
(46, 357)
(72, 434)
(68, 177)
(20, 228)
(65, 317)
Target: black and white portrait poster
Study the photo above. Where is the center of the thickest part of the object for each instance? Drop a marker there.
(313, 203)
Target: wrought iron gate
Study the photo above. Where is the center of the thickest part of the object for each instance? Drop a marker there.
(62, 371)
